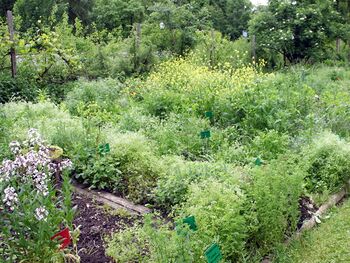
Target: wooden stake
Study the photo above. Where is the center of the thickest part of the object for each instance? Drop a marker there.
(254, 48)
(12, 51)
(138, 35)
(338, 45)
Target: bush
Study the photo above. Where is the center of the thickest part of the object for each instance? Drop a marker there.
(180, 135)
(181, 86)
(272, 207)
(136, 119)
(32, 210)
(57, 126)
(131, 168)
(104, 93)
(278, 103)
(268, 145)
(218, 210)
(327, 162)
(172, 188)
(153, 242)
(215, 50)
(18, 88)
(129, 245)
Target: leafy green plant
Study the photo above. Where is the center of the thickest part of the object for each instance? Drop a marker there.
(179, 134)
(272, 207)
(218, 209)
(33, 210)
(102, 173)
(327, 164)
(153, 242)
(103, 93)
(268, 145)
(173, 187)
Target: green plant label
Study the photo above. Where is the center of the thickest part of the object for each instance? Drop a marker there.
(209, 114)
(104, 148)
(213, 253)
(258, 162)
(191, 222)
(205, 134)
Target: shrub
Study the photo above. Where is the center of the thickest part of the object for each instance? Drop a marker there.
(181, 86)
(104, 93)
(272, 207)
(218, 209)
(215, 50)
(327, 162)
(128, 245)
(268, 145)
(136, 119)
(32, 209)
(153, 242)
(131, 168)
(278, 103)
(180, 135)
(18, 88)
(172, 188)
(57, 126)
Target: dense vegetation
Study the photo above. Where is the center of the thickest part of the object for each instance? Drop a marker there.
(196, 125)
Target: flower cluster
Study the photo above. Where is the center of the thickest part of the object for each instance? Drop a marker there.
(32, 165)
(15, 147)
(10, 198)
(41, 213)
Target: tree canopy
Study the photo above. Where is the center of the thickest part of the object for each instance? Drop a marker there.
(297, 29)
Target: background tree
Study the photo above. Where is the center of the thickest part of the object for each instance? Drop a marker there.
(80, 9)
(111, 14)
(33, 10)
(230, 17)
(299, 29)
(6, 5)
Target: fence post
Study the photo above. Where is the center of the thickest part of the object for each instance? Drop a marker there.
(254, 48)
(12, 51)
(337, 45)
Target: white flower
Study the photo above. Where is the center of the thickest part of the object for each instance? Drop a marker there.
(161, 25)
(41, 213)
(10, 198)
(65, 164)
(40, 182)
(15, 147)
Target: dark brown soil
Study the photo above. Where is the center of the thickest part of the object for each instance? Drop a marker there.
(95, 224)
(307, 208)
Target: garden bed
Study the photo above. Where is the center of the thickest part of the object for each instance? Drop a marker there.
(96, 221)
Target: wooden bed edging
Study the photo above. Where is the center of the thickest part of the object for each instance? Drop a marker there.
(112, 200)
(312, 222)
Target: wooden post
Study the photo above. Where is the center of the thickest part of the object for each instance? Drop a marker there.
(12, 51)
(137, 44)
(338, 44)
(212, 49)
(254, 48)
(138, 35)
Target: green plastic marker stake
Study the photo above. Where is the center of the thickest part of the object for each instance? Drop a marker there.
(104, 148)
(258, 161)
(213, 253)
(191, 222)
(205, 134)
(107, 148)
(209, 114)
